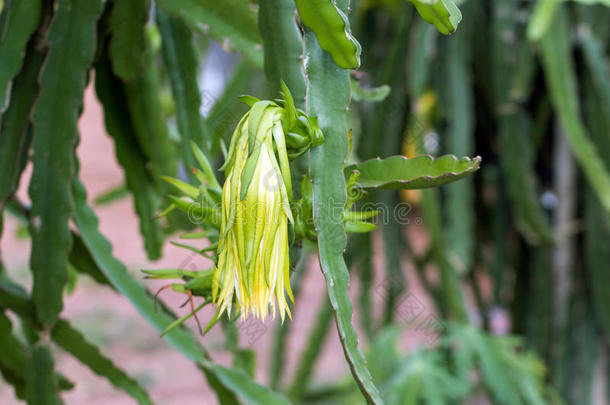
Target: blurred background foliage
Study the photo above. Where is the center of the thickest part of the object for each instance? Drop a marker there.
(524, 242)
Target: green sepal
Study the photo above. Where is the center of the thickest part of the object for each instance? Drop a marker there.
(256, 120)
(354, 216)
(296, 141)
(166, 211)
(212, 322)
(235, 190)
(318, 135)
(280, 142)
(186, 188)
(289, 105)
(205, 165)
(248, 100)
(359, 227)
(197, 235)
(180, 321)
(202, 281)
(234, 139)
(193, 249)
(169, 273)
(248, 172)
(199, 176)
(283, 192)
(212, 215)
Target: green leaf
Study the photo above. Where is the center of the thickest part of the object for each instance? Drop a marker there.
(420, 377)
(393, 248)
(101, 250)
(2, 268)
(15, 298)
(592, 2)
(128, 44)
(363, 244)
(205, 166)
(420, 58)
(443, 14)
(149, 122)
(331, 26)
(510, 374)
(230, 22)
(460, 226)
(226, 382)
(328, 96)
(81, 259)
(374, 94)
(73, 342)
(225, 396)
(517, 163)
(13, 358)
(62, 82)
(246, 389)
(15, 136)
(543, 13)
(282, 331)
(138, 178)
(17, 383)
(383, 354)
(517, 159)
(451, 298)
(41, 388)
(398, 172)
(561, 79)
(20, 20)
(283, 47)
(597, 256)
(181, 61)
(597, 224)
(597, 65)
(312, 351)
(245, 359)
(541, 18)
